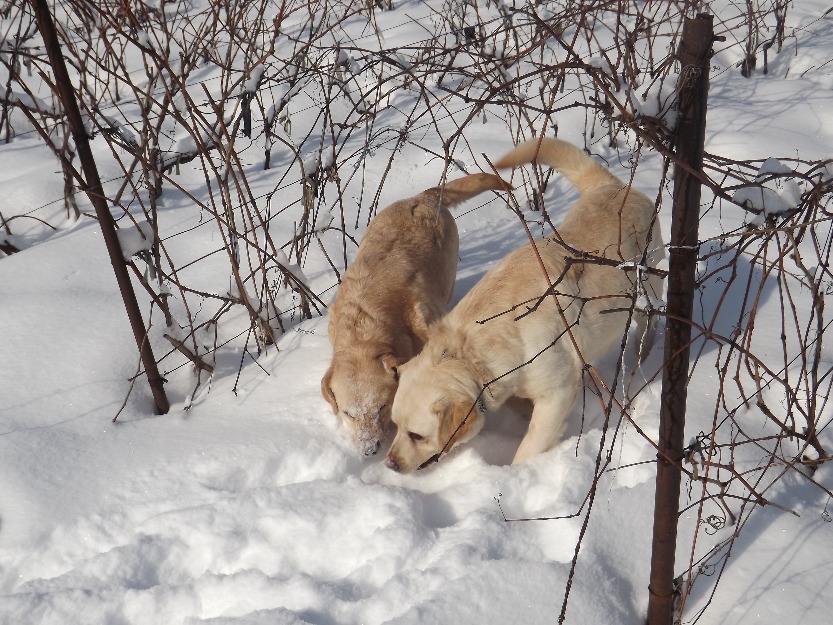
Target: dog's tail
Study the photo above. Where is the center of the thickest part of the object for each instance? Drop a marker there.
(458, 191)
(574, 164)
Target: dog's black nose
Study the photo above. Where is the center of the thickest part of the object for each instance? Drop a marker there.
(391, 464)
(373, 448)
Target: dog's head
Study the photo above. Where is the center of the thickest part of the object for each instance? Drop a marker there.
(435, 408)
(360, 390)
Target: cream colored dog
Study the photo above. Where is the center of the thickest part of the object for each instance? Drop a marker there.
(508, 336)
(400, 281)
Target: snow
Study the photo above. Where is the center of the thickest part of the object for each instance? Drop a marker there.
(773, 166)
(762, 199)
(136, 238)
(294, 268)
(247, 502)
(778, 192)
(600, 63)
(27, 100)
(256, 74)
(657, 100)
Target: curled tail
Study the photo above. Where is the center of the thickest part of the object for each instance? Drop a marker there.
(467, 187)
(579, 168)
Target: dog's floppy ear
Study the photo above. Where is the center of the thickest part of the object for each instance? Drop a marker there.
(460, 421)
(327, 391)
(419, 321)
(391, 364)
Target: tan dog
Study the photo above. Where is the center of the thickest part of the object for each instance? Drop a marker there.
(400, 281)
(507, 337)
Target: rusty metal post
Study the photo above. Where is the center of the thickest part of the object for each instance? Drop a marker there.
(694, 55)
(95, 193)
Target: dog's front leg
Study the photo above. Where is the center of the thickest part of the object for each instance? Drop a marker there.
(546, 425)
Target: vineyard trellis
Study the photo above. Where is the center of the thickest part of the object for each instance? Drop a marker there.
(277, 108)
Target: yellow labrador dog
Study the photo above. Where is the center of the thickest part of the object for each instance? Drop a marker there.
(401, 281)
(509, 338)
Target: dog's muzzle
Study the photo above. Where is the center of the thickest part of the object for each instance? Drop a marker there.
(372, 448)
(391, 464)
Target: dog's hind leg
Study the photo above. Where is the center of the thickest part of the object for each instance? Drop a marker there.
(642, 339)
(651, 290)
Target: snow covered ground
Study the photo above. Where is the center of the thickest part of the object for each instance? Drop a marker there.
(252, 506)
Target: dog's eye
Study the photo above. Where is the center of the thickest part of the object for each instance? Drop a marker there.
(349, 416)
(415, 437)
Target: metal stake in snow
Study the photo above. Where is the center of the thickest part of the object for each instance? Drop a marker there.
(694, 54)
(96, 195)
